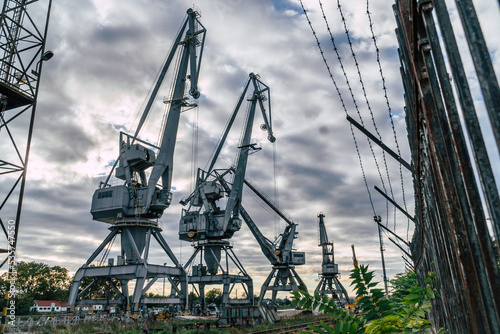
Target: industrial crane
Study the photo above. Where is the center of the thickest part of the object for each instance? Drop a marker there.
(134, 207)
(279, 253)
(329, 283)
(209, 225)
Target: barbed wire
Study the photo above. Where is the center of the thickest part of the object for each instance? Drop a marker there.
(342, 102)
(389, 109)
(353, 54)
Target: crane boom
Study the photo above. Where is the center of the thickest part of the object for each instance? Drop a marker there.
(164, 164)
(323, 237)
(327, 247)
(276, 254)
(268, 201)
(215, 223)
(265, 244)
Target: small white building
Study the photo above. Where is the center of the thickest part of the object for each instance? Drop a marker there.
(47, 306)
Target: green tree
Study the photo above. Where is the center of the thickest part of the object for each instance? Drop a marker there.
(193, 296)
(401, 285)
(102, 288)
(214, 296)
(152, 295)
(38, 281)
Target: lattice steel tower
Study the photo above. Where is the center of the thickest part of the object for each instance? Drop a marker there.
(22, 52)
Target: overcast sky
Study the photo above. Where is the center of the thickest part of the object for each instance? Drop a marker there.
(107, 56)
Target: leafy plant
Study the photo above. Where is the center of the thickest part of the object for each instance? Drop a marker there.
(344, 320)
(372, 302)
(404, 312)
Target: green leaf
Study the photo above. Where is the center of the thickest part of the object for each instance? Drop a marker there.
(326, 327)
(325, 299)
(316, 295)
(321, 307)
(308, 303)
(316, 329)
(338, 327)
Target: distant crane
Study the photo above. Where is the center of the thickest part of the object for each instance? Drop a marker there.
(209, 225)
(329, 283)
(134, 207)
(280, 253)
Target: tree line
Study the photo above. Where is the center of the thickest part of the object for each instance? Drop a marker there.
(39, 281)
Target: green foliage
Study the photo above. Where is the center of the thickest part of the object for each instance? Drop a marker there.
(152, 295)
(214, 296)
(37, 281)
(372, 302)
(101, 289)
(412, 302)
(345, 321)
(401, 284)
(193, 296)
(404, 312)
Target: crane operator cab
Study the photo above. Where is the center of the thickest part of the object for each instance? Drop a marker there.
(112, 203)
(196, 225)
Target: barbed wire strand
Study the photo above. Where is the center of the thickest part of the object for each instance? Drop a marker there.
(342, 102)
(353, 54)
(389, 109)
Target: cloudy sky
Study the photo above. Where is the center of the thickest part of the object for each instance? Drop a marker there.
(107, 56)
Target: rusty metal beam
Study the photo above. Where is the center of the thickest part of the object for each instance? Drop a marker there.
(395, 204)
(380, 143)
(471, 121)
(482, 62)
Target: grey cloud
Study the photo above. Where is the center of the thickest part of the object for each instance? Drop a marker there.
(100, 76)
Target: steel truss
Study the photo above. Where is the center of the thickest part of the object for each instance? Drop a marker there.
(218, 272)
(283, 278)
(132, 265)
(22, 50)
